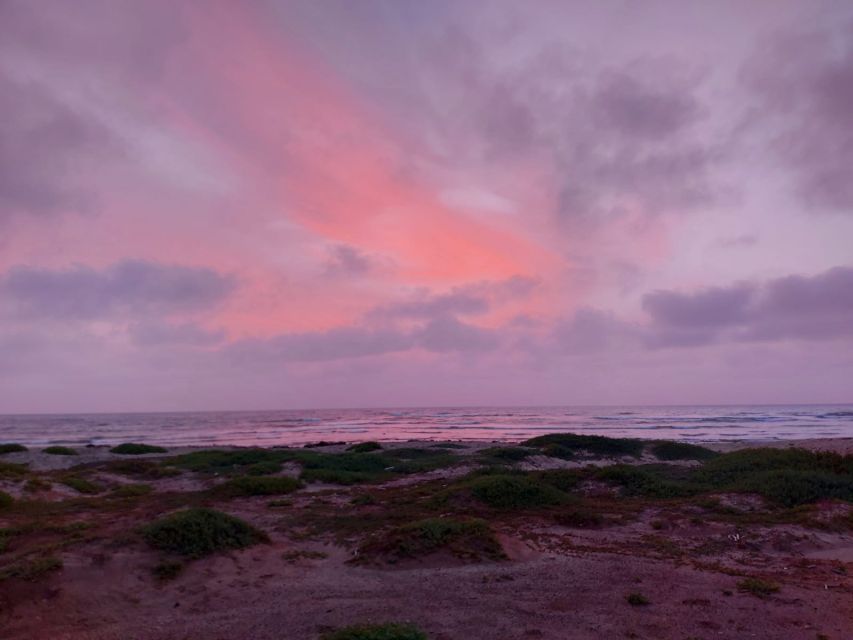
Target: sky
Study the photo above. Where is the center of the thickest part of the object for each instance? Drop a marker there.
(207, 204)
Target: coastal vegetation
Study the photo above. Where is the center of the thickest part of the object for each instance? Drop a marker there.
(59, 451)
(196, 533)
(136, 449)
(390, 631)
(11, 447)
(430, 505)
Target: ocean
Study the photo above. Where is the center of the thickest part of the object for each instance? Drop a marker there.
(296, 427)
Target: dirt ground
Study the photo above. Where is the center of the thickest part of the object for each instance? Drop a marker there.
(557, 583)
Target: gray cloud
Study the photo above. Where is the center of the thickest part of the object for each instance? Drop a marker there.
(345, 260)
(449, 334)
(156, 333)
(803, 85)
(818, 307)
(130, 287)
(41, 142)
(470, 299)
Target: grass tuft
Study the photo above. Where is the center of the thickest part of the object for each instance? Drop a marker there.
(757, 587)
(196, 533)
(31, 570)
(59, 451)
(81, 485)
(637, 599)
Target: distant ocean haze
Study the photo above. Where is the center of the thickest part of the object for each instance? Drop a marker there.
(296, 427)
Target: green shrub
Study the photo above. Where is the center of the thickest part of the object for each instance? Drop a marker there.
(514, 492)
(506, 454)
(199, 532)
(5, 500)
(81, 485)
(11, 470)
(333, 476)
(390, 631)
(682, 451)
(235, 461)
(136, 449)
(637, 599)
(471, 539)
(786, 476)
(345, 468)
(757, 587)
(141, 468)
(790, 488)
(265, 468)
(59, 451)
(31, 569)
(259, 486)
(571, 442)
(132, 490)
(733, 467)
(365, 447)
(11, 447)
(651, 480)
(558, 451)
(563, 479)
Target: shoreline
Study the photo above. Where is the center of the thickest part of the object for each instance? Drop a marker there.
(88, 454)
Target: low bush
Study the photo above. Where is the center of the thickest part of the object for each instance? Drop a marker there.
(11, 447)
(136, 449)
(390, 631)
(757, 587)
(682, 451)
(790, 488)
(31, 569)
(599, 445)
(195, 533)
(651, 480)
(365, 447)
(132, 490)
(147, 469)
(5, 500)
(468, 539)
(259, 486)
(637, 599)
(514, 492)
(81, 485)
(12, 471)
(237, 460)
(59, 451)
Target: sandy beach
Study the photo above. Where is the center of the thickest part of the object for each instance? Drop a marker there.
(588, 556)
